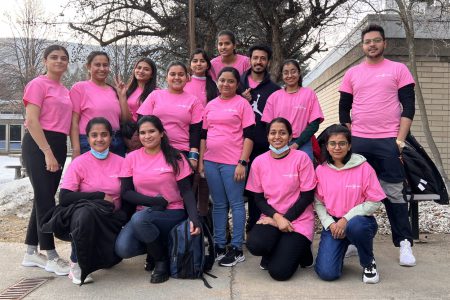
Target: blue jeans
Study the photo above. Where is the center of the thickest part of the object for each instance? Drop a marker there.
(117, 144)
(360, 232)
(145, 227)
(226, 193)
(307, 148)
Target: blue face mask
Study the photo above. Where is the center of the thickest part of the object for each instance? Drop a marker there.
(100, 155)
(279, 151)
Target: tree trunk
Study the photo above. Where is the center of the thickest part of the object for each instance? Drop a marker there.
(407, 19)
(277, 52)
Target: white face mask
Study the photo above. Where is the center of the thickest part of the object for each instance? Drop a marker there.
(279, 151)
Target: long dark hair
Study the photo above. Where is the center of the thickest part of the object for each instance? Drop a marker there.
(297, 65)
(52, 48)
(211, 87)
(334, 130)
(171, 155)
(149, 86)
(230, 34)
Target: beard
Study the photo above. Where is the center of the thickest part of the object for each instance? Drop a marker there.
(263, 70)
(376, 55)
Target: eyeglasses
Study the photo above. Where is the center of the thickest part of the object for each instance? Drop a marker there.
(341, 144)
(375, 41)
(292, 73)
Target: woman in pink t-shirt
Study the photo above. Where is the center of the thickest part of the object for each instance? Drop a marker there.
(44, 150)
(180, 112)
(93, 177)
(96, 98)
(227, 141)
(203, 86)
(142, 83)
(283, 181)
(347, 194)
(299, 105)
(226, 46)
(155, 178)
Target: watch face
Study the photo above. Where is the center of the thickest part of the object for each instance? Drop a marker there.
(243, 162)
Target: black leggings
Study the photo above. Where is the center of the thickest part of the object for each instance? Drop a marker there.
(285, 251)
(44, 183)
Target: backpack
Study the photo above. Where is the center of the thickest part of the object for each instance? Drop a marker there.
(191, 256)
(421, 173)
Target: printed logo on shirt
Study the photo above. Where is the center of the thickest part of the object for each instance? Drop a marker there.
(299, 107)
(162, 169)
(382, 75)
(353, 186)
(184, 106)
(230, 110)
(290, 175)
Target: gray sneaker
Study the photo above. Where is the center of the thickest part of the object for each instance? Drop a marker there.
(36, 259)
(75, 274)
(58, 266)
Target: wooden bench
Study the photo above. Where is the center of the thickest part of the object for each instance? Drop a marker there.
(414, 200)
(18, 168)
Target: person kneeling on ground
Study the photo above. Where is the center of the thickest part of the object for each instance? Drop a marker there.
(347, 195)
(89, 213)
(156, 179)
(283, 181)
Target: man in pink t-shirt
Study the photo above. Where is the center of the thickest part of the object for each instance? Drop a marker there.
(380, 95)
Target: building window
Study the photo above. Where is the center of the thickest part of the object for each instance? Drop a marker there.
(15, 136)
(2, 137)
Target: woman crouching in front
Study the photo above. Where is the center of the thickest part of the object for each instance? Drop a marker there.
(155, 178)
(348, 193)
(283, 181)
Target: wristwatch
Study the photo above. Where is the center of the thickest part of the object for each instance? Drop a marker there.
(400, 144)
(242, 162)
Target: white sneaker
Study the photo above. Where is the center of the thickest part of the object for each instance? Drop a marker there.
(36, 259)
(407, 258)
(75, 274)
(370, 273)
(351, 251)
(58, 266)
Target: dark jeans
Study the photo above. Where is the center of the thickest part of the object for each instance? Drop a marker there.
(44, 184)
(285, 251)
(383, 155)
(117, 144)
(360, 232)
(145, 227)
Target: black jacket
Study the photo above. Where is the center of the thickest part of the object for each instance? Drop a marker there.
(92, 225)
(259, 99)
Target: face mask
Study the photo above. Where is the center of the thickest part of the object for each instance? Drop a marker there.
(100, 155)
(279, 151)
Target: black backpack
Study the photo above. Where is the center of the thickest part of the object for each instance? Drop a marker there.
(191, 256)
(421, 173)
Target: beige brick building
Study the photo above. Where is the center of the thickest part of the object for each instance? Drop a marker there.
(433, 58)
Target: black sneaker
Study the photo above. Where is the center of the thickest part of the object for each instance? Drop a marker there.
(264, 264)
(370, 274)
(149, 263)
(220, 252)
(232, 257)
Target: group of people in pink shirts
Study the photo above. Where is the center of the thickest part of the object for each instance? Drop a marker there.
(221, 129)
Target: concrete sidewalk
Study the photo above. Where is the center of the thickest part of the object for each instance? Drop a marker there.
(128, 280)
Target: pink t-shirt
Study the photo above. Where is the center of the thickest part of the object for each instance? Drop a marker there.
(282, 181)
(89, 174)
(300, 108)
(197, 87)
(225, 121)
(341, 190)
(176, 111)
(90, 101)
(241, 64)
(376, 109)
(251, 83)
(153, 176)
(133, 103)
(53, 100)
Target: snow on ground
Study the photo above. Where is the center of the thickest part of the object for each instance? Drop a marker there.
(7, 175)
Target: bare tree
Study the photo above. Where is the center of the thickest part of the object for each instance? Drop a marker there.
(21, 55)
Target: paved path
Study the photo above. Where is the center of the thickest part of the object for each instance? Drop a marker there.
(428, 280)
